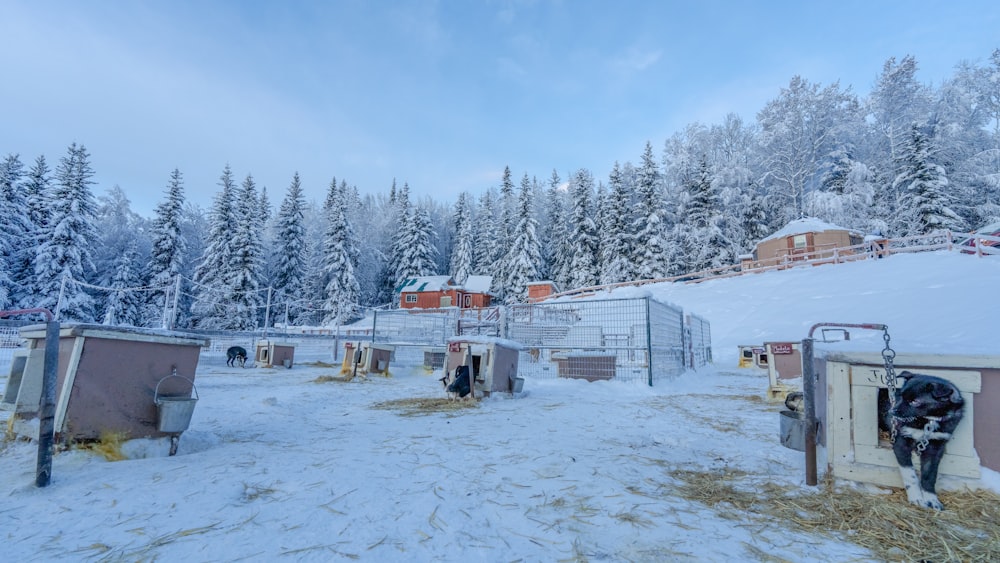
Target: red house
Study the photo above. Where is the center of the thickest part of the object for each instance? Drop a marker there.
(436, 292)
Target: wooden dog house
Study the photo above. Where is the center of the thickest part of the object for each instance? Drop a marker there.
(106, 380)
(492, 363)
(784, 369)
(847, 408)
(271, 353)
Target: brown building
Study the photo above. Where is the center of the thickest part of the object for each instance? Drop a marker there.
(805, 239)
(435, 292)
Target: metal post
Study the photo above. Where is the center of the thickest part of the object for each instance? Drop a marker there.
(267, 310)
(165, 321)
(177, 295)
(649, 346)
(47, 414)
(809, 397)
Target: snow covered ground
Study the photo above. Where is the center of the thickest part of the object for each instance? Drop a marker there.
(277, 466)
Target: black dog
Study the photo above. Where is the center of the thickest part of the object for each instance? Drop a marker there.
(236, 354)
(926, 412)
(462, 385)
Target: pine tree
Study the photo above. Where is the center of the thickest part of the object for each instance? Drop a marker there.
(487, 249)
(214, 274)
(462, 256)
(246, 264)
(37, 196)
(290, 247)
(13, 229)
(583, 237)
(342, 291)
(65, 251)
(525, 256)
(418, 254)
(650, 227)
(169, 247)
(925, 183)
(125, 307)
(617, 242)
(555, 237)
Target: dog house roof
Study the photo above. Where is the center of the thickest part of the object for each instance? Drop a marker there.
(806, 225)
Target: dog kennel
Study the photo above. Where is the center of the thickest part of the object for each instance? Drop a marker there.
(270, 353)
(106, 380)
(784, 369)
(365, 358)
(493, 364)
(847, 409)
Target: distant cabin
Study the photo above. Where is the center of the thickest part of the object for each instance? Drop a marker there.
(538, 291)
(435, 292)
(804, 237)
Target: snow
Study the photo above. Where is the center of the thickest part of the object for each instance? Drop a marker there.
(804, 225)
(275, 464)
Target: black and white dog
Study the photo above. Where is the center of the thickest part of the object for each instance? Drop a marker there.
(926, 411)
(458, 385)
(236, 354)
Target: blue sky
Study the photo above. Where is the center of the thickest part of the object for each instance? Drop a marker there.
(441, 95)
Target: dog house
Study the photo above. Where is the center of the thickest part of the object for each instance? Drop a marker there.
(784, 369)
(752, 356)
(434, 358)
(271, 353)
(847, 408)
(492, 361)
(106, 380)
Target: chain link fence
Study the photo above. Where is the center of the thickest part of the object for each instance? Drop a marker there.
(634, 340)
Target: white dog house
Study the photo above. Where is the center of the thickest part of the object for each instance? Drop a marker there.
(492, 363)
(847, 408)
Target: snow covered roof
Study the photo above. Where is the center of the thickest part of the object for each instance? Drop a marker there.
(426, 283)
(478, 284)
(805, 225)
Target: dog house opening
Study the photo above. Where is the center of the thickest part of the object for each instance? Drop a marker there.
(884, 427)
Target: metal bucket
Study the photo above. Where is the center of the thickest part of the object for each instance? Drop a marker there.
(517, 383)
(793, 430)
(173, 414)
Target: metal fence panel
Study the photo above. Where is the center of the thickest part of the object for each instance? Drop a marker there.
(588, 339)
(666, 340)
(700, 333)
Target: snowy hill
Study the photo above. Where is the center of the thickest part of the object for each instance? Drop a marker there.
(279, 465)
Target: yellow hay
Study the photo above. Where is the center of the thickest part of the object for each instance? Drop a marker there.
(887, 525)
(425, 406)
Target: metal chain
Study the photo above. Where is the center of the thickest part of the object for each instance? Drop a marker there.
(888, 355)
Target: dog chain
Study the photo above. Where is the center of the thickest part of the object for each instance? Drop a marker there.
(888, 355)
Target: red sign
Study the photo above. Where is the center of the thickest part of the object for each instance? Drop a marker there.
(454, 346)
(781, 348)
(348, 345)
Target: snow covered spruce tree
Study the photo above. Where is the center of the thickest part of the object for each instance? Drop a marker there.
(487, 249)
(64, 253)
(214, 274)
(650, 226)
(583, 240)
(122, 242)
(462, 257)
(125, 306)
(342, 292)
(245, 300)
(290, 250)
(617, 241)
(706, 244)
(554, 234)
(37, 195)
(417, 253)
(169, 247)
(923, 184)
(524, 259)
(14, 229)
